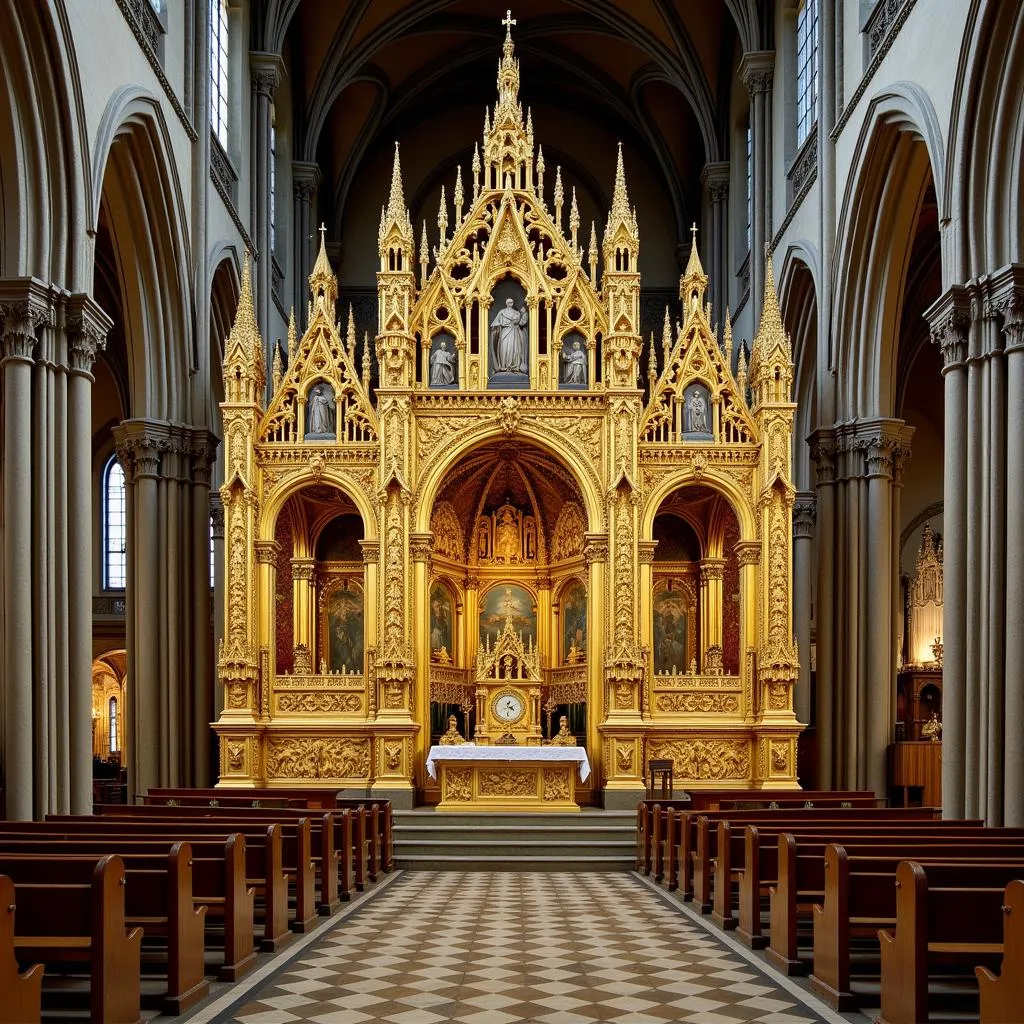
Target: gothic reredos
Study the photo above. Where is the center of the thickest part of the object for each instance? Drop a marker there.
(510, 475)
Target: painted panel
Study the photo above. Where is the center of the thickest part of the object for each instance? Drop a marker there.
(574, 622)
(508, 601)
(441, 617)
(345, 629)
(671, 625)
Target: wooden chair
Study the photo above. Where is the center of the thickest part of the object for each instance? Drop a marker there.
(659, 769)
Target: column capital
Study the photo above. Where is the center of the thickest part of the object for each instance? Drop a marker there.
(26, 304)
(267, 552)
(140, 445)
(949, 320)
(421, 546)
(595, 548)
(645, 551)
(304, 569)
(217, 515)
(715, 178)
(266, 71)
(305, 179)
(87, 327)
(757, 69)
(805, 513)
(371, 551)
(823, 455)
(1005, 299)
(748, 552)
(711, 569)
(885, 444)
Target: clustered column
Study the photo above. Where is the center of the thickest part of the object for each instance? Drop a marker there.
(170, 653)
(50, 340)
(803, 560)
(716, 180)
(305, 181)
(757, 69)
(858, 474)
(978, 328)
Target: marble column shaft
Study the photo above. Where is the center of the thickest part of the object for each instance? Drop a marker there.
(803, 561)
(305, 181)
(757, 69)
(716, 180)
(823, 454)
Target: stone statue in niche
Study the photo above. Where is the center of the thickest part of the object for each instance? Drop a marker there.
(320, 412)
(443, 364)
(574, 363)
(506, 535)
(698, 411)
(509, 339)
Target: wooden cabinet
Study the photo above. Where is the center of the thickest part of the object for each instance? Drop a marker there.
(915, 773)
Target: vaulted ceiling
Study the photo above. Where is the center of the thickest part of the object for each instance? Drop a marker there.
(656, 74)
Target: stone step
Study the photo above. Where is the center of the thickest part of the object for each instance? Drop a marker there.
(482, 847)
(507, 834)
(514, 864)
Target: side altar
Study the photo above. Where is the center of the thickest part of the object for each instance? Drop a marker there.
(501, 504)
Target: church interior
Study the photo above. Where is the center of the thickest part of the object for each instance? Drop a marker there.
(471, 459)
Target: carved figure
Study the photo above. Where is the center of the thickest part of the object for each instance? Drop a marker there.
(697, 407)
(506, 536)
(563, 738)
(508, 339)
(442, 365)
(575, 360)
(321, 415)
(452, 738)
(932, 729)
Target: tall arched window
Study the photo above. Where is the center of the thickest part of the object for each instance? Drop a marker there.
(219, 70)
(112, 725)
(806, 68)
(115, 526)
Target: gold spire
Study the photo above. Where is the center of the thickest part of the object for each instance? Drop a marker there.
(322, 282)
(459, 196)
(278, 368)
(693, 264)
(666, 338)
(574, 218)
(442, 220)
(559, 197)
(396, 198)
(243, 350)
(727, 339)
(350, 336)
(245, 314)
(592, 253)
(771, 315)
(621, 218)
(292, 336)
(620, 197)
(694, 281)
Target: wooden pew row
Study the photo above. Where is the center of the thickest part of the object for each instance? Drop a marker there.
(218, 881)
(802, 876)
(81, 919)
(313, 799)
(698, 834)
(715, 800)
(264, 862)
(861, 896)
(369, 836)
(21, 1000)
(1002, 996)
(305, 839)
(744, 863)
(952, 914)
(158, 899)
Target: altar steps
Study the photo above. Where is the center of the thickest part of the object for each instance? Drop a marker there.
(589, 841)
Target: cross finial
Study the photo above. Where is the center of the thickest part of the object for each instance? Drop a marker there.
(323, 232)
(508, 22)
(693, 230)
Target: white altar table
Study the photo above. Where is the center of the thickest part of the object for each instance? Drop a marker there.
(507, 778)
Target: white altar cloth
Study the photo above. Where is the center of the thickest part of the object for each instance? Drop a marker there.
(470, 752)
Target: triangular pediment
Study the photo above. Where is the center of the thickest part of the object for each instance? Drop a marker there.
(695, 358)
(509, 658)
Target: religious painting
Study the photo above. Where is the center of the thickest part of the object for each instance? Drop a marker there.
(444, 362)
(671, 633)
(345, 628)
(572, 363)
(574, 623)
(509, 337)
(508, 601)
(441, 619)
(320, 412)
(697, 411)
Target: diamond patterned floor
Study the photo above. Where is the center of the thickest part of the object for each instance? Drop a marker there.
(501, 948)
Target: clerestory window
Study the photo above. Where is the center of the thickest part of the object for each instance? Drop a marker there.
(806, 68)
(219, 70)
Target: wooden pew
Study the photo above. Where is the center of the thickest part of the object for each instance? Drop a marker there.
(957, 917)
(722, 799)
(80, 918)
(218, 880)
(801, 878)
(20, 992)
(702, 830)
(264, 862)
(1002, 996)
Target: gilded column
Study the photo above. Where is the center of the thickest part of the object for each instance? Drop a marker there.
(267, 554)
(748, 558)
(949, 319)
(711, 611)
(803, 562)
(595, 556)
(304, 605)
(371, 582)
(421, 547)
(87, 327)
(757, 70)
(547, 635)
(645, 555)
(24, 305)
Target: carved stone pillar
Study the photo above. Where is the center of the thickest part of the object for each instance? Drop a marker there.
(371, 578)
(24, 306)
(757, 70)
(716, 180)
(304, 610)
(87, 327)
(803, 561)
(748, 558)
(305, 182)
(267, 554)
(949, 320)
(217, 535)
(595, 557)
(265, 71)
(824, 456)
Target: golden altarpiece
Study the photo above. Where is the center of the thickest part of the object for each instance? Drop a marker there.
(529, 501)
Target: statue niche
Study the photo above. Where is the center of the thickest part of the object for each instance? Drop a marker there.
(509, 336)
(573, 363)
(320, 412)
(444, 362)
(506, 537)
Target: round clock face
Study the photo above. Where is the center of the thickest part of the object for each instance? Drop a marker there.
(508, 707)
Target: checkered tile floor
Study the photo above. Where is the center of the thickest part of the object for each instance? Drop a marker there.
(502, 948)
